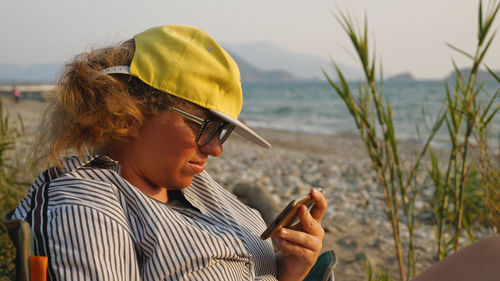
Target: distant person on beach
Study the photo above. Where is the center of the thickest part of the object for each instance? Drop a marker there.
(135, 203)
(17, 96)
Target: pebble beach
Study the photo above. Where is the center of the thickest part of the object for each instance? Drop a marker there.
(356, 225)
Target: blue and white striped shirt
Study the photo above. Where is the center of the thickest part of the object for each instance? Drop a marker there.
(97, 226)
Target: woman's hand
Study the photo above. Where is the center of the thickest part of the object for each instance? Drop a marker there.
(301, 246)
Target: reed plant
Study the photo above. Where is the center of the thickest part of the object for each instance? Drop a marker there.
(467, 122)
(489, 164)
(373, 118)
(372, 113)
(13, 184)
(380, 275)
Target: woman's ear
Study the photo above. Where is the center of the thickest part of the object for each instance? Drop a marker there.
(136, 127)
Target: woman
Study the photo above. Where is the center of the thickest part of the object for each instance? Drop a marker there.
(140, 207)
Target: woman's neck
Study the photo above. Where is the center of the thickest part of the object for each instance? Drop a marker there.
(131, 174)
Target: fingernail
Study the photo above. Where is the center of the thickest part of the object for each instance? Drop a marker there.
(284, 231)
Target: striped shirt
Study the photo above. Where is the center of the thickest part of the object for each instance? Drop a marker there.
(94, 225)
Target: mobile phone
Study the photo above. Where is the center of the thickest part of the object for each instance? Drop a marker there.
(288, 217)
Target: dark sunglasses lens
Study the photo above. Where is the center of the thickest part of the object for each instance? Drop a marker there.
(226, 131)
(209, 131)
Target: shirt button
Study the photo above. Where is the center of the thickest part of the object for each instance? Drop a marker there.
(248, 265)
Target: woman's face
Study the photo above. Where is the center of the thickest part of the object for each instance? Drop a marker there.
(165, 153)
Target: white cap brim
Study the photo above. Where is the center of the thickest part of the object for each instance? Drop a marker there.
(241, 129)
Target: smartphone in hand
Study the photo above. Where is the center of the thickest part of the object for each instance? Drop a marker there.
(288, 217)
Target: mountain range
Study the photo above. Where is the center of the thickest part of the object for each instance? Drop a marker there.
(250, 73)
(267, 56)
(258, 62)
(482, 75)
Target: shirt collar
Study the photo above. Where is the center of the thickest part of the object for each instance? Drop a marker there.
(104, 162)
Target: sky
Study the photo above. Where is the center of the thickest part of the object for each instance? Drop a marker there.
(409, 35)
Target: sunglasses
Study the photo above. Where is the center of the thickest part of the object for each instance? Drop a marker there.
(209, 128)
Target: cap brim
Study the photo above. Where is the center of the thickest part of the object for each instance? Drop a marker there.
(242, 130)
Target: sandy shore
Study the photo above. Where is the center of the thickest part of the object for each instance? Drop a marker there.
(355, 224)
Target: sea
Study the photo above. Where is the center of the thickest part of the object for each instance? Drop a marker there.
(314, 107)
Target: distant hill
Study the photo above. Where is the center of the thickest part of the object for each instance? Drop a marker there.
(35, 73)
(250, 73)
(259, 62)
(26, 74)
(482, 75)
(402, 77)
(267, 56)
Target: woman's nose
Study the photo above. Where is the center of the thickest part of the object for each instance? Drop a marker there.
(213, 147)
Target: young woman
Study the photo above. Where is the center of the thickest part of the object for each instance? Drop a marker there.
(135, 203)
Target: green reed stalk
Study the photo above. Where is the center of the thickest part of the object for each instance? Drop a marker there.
(464, 111)
(12, 186)
(371, 115)
(399, 184)
(490, 171)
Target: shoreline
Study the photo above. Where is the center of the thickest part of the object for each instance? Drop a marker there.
(31, 111)
(311, 141)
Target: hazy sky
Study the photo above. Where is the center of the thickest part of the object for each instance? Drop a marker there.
(409, 35)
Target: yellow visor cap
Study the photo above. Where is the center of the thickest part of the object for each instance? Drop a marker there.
(187, 63)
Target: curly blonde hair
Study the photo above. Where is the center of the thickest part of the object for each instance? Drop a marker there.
(92, 108)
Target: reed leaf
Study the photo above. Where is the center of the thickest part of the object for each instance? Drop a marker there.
(468, 231)
(485, 50)
(486, 25)
(488, 107)
(459, 81)
(493, 74)
(460, 51)
(488, 120)
(480, 19)
(434, 130)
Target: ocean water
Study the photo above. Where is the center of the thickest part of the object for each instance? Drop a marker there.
(314, 107)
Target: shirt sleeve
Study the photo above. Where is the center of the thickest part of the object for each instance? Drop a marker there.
(84, 244)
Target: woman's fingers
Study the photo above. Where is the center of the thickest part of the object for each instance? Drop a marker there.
(300, 239)
(310, 236)
(301, 245)
(309, 223)
(298, 251)
(319, 208)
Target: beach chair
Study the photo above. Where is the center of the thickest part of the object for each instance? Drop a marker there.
(28, 266)
(323, 268)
